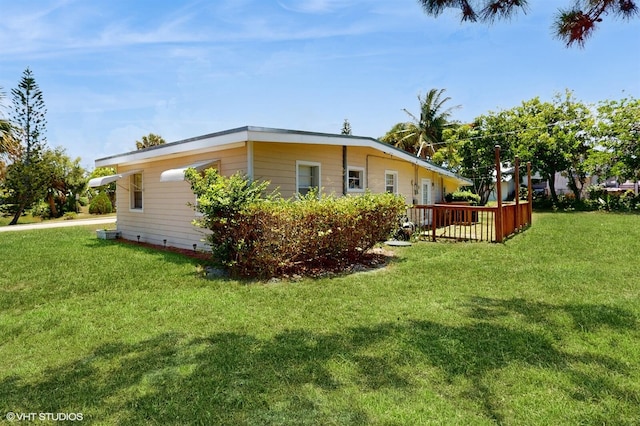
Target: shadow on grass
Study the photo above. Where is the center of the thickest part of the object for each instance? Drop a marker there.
(300, 377)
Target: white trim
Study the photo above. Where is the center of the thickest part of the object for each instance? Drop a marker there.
(428, 182)
(177, 175)
(106, 180)
(394, 173)
(132, 193)
(236, 138)
(311, 164)
(250, 160)
(172, 151)
(363, 182)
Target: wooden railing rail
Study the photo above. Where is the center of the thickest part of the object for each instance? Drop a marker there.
(476, 223)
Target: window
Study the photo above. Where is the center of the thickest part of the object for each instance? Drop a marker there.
(391, 181)
(355, 179)
(135, 188)
(307, 177)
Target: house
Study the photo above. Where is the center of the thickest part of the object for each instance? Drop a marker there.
(153, 198)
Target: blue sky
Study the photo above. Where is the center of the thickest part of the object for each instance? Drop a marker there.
(112, 71)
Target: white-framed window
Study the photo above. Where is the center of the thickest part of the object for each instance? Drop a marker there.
(391, 181)
(307, 177)
(135, 191)
(355, 179)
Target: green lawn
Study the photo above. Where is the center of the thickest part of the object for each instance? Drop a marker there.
(543, 329)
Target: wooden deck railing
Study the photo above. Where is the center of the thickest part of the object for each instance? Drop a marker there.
(478, 223)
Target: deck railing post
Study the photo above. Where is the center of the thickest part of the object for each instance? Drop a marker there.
(498, 196)
(529, 194)
(517, 182)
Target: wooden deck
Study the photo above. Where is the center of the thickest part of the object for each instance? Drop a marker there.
(470, 223)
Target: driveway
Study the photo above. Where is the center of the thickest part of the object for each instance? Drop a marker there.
(61, 224)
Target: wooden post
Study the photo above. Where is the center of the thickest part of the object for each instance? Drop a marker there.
(498, 196)
(529, 193)
(517, 182)
(434, 218)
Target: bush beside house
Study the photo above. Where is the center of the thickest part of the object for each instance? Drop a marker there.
(253, 235)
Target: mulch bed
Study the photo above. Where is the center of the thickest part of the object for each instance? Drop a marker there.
(200, 255)
(374, 259)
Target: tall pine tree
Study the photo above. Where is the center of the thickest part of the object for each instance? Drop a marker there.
(25, 178)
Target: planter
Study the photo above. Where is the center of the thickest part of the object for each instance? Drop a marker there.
(107, 234)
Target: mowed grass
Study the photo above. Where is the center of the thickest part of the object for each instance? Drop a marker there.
(543, 329)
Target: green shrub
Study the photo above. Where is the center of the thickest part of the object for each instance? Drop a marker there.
(100, 204)
(257, 236)
(42, 210)
(473, 199)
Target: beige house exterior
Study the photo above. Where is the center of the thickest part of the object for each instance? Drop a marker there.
(153, 198)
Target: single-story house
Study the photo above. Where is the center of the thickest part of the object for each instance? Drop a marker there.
(153, 197)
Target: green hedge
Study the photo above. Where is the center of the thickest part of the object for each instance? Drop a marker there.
(100, 204)
(264, 236)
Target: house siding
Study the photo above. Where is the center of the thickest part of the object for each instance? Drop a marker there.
(166, 213)
(276, 162)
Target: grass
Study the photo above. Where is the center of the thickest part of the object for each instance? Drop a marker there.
(542, 329)
(28, 218)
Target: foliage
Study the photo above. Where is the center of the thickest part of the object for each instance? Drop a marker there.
(150, 140)
(24, 178)
(468, 196)
(346, 128)
(100, 204)
(423, 135)
(66, 181)
(257, 236)
(470, 150)
(109, 189)
(618, 131)
(572, 25)
(555, 137)
(598, 198)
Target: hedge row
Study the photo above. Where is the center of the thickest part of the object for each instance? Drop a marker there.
(264, 236)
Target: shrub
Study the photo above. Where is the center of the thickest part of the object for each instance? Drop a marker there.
(473, 199)
(100, 204)
(42, 210)
(263, 236)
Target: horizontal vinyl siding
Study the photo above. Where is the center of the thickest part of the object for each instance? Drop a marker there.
(276, 162)
(166, 213)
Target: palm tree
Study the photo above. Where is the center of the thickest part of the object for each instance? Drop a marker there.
(8, 143)
(150, 140)
(424, 134)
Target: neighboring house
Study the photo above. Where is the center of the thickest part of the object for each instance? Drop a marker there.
(153, 197)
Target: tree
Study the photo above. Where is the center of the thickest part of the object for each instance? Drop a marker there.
(555, 136)
(66, 180)
(24, 179)
(150, 140)
(572, 25)
(470, 150)
(109, 189)
(423, 134)
(7, 140)
(618, 131)
(346, 127)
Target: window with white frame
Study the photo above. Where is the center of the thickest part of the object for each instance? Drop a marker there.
(135, 190)
(391, 181)
(355, 179)
(307, 177)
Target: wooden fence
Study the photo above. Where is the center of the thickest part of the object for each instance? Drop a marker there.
(479, 223)
(470, 223)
